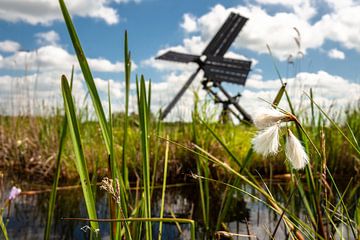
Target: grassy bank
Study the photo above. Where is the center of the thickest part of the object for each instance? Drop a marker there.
(29, 146)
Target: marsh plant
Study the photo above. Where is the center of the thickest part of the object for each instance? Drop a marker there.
(266, 142)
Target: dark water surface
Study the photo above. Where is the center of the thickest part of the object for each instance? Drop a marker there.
(29, 211)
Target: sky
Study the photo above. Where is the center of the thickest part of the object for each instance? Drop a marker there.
(314, 44)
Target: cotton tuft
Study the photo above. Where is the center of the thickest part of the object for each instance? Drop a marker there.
(295, 152)
(266, 142)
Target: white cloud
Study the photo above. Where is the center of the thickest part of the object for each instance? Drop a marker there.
(41, 93)
(328, 90)
(9, 46)
(336, 54)
(262, 28)
(35, 93)
(189, 23)
(45, 12)
(277, 29)
(55, 58)
(302, 8)
(342, 26)
(47, 38)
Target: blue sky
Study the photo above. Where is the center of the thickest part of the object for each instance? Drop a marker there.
(35, 49)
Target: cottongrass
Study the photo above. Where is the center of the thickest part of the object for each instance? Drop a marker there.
(295, 152)
(268, 117)
(266, 142)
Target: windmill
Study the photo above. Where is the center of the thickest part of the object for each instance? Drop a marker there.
(216, 68)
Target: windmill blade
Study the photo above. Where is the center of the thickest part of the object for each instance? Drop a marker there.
(178, 57)
(231, 62)
(225, 36)
(220, 69)
(179, 94)
(220, 75)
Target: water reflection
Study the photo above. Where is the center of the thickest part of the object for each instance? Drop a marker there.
(28, 213)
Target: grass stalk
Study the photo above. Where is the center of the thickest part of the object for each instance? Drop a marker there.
(2, 225)
(87, 75)
(144, 125)
(203, 184)
(127, 63)
(163, 188)
(78, 149)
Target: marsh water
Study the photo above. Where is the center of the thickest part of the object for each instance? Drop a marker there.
(29, 211)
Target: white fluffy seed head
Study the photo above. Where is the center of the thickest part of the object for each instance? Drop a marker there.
(266, 142)
(268, 117)
(295, 152)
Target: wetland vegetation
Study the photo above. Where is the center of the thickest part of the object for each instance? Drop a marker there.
(141, 178)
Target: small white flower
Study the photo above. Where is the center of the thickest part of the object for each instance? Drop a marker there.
(267, 141)
(14, 192)
(295, 152)
(268, 117)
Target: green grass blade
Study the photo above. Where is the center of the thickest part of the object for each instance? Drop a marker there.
(2, 225)
(279, 95)
(156, 155)
(164, 188)
(52, 198)
(144, 124)
(124, 170)
(357, 218)
(87, 75)
(202, 183)
(78, 149)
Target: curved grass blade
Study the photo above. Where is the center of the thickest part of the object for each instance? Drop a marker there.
(52, 198)
(164, 188)
(79, 154)
(87, 75)
(2, 226)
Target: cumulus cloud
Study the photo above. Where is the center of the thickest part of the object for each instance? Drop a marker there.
(54, 58)
(46, 12)
(303, 8)
(280, 29)
(40, 93)
(47, 38)
(336, 54)
(189, 23)
(34, 93)
(328, 90)
(9, 46)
